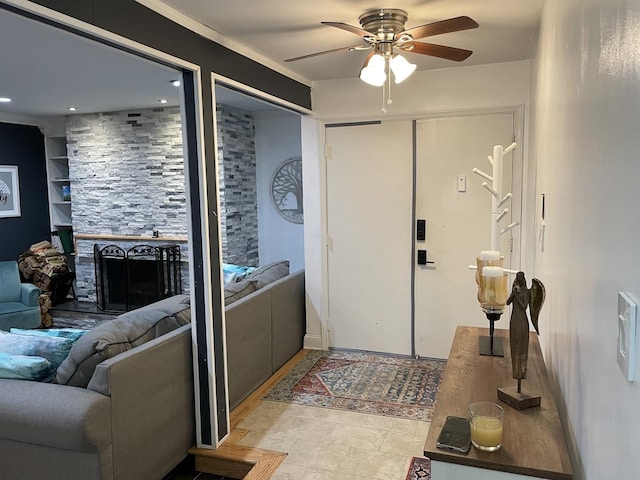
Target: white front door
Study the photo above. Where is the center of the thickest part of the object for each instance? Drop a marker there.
(369, 219)
(457, 222)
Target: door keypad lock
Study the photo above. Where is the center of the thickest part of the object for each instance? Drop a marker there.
(421, 230)
(422, 258)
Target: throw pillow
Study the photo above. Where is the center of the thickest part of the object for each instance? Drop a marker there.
(270, 272)
(23, 367)
(235, 273)
(72, 333)
(235, 291)
(53, 349)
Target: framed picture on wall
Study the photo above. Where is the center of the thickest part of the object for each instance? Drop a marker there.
(9, 191)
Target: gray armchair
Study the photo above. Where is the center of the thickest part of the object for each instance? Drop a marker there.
(19, 302)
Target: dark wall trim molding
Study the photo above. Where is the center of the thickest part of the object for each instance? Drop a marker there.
(143, 25)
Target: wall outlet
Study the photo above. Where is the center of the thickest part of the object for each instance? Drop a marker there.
(627, 336)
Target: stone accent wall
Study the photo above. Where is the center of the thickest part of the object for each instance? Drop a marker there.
(238, 189)
(127, 172)
(127, 178)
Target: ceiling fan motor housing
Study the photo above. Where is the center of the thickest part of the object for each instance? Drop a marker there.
(383, 23)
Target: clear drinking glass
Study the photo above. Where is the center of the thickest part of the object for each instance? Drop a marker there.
(486, 421)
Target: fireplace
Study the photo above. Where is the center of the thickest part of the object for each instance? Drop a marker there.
(133, 278)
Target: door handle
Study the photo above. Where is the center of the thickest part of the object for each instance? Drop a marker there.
(422, 258)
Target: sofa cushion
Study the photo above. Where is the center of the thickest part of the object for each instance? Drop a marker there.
(235, 291)
(53, 349)
(270, 272)
(24, 367)
(121, 334)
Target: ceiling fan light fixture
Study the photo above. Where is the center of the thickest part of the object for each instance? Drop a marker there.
(373, 72)
(401, 68)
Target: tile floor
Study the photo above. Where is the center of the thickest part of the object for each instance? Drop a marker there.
(327, 444)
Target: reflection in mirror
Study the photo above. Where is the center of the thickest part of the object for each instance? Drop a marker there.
(254, 138)
(113, 158)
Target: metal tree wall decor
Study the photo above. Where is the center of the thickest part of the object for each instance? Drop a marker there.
(286, 190)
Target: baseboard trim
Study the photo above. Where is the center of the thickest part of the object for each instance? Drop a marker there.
(312, 342)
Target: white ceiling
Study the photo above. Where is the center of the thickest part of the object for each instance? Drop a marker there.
(280, 29)
(45, 70)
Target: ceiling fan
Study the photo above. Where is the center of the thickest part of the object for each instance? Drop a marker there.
(383, 31)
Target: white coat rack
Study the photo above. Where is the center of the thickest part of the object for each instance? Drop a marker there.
(489, 288)
(494, 185)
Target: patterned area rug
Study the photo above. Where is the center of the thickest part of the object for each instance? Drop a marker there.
(420, 469)
(363, 382)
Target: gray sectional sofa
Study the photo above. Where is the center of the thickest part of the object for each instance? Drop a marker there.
(264, 330)
(126, 410)
(132, 419)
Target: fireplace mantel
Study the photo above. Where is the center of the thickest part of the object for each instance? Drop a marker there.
(133, 238)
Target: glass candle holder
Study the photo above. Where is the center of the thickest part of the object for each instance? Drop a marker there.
(492, 284)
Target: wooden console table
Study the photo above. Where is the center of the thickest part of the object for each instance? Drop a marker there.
(533, 444)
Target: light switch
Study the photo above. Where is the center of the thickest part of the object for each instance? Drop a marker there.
(627, 335)
(462, 183)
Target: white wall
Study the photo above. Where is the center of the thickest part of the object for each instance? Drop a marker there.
(278, 138)
(586, 144)
(446, 90)
(424, 93)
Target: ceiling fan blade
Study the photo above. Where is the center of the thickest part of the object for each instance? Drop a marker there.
(350, 28)
(334, 50)
(445, 26)
(441, 51)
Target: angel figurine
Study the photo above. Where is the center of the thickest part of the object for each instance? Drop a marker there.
(521, 297)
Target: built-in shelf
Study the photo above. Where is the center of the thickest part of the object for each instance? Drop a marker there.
(58, 183)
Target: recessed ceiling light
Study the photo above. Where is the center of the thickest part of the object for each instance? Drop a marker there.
(72, 109)
(5, 99)
(175, 83)
(163, 100)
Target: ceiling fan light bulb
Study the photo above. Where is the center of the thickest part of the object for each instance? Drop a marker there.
(401, 68)
(373, 73)
(373, 76)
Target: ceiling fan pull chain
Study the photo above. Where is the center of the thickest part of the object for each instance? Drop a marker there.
(389, 101)
(383, 109)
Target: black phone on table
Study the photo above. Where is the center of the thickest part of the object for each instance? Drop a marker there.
(455, 435)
